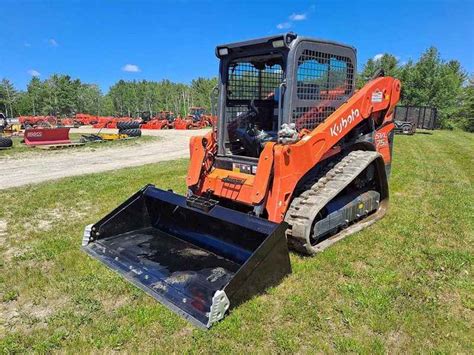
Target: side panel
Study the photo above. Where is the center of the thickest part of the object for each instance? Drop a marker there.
(383, 143)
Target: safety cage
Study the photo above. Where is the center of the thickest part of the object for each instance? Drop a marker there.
(323, 79)
(298, 81)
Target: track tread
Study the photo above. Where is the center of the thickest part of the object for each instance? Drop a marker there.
(305, 207)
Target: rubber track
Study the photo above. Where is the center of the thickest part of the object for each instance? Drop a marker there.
(305, 207)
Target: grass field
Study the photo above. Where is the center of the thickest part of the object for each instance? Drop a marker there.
(403, 285)
(20, 149)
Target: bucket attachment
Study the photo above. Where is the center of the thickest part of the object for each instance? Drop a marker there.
(194, 256)
(46, 136)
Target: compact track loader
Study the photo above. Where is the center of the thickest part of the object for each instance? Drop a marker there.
(298, 158)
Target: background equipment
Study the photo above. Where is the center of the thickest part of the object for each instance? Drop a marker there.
(5, 141)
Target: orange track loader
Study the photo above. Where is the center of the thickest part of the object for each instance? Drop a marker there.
(298, 159)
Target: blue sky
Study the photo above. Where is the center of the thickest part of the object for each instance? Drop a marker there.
(104, 41)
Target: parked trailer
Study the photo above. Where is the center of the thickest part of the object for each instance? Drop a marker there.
(422, 116)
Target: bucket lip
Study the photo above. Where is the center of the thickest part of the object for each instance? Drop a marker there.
(168, 304)
(219, 212)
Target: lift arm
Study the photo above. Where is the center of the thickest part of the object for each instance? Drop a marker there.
(292, 162)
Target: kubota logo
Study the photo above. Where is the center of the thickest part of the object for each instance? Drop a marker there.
(34, 134)
(338, 127)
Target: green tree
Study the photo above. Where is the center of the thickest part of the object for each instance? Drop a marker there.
(466, 107)
(435, 83)
(35, 94)
(8, 96)
(106, 106)
(22, 104)
(60, 95)
(88, 98)
(387, 62)
(201, 89)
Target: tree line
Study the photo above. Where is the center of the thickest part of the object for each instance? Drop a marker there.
(60, 95)
(429, 81)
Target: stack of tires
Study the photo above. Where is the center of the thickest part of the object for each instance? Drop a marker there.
(131, 129)
(5, 143)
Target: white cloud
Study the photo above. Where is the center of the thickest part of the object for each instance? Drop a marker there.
(298, 17)
(284, 25)
(27, 44)
(131, 68)
(33, 72)
(378, 56)
(52, 42)
(294, 17)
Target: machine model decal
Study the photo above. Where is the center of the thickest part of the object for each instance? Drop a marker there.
(381, 139)
(344, 122)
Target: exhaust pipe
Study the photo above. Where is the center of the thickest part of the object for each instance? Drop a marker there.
(197, 258)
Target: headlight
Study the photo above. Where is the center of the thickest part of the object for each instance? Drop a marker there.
(278, 44)
(223, 51)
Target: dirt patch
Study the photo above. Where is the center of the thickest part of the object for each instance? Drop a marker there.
(178, 277)
(3, 232)
(26, 317)
(44, 225)
(192, 252)
(396, 341)
(43, 265)
(360, 266)
(49, 217)
(216, 274)
(13, 252)
(113, 303)
(185, 332)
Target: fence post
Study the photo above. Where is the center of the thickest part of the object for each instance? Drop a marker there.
(424, 114)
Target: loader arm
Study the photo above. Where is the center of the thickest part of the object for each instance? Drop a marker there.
(292, 162)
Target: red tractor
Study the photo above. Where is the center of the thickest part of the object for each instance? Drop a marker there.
(196, 119)
(85, 119)
(163, 120)
(38, 121)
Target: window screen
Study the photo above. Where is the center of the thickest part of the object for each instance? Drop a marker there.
(324, 81)
(247, 81)
(251, 102)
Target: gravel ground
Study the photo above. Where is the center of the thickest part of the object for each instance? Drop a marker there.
(18, 171)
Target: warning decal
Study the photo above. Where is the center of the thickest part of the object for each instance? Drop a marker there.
(377, 96)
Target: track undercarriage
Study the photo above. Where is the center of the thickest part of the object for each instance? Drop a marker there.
(341, 201)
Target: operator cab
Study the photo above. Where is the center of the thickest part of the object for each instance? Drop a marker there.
(268, 82)
(196, 113)
(252, 103)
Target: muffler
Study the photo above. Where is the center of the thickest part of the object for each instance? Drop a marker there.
(194, 256)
